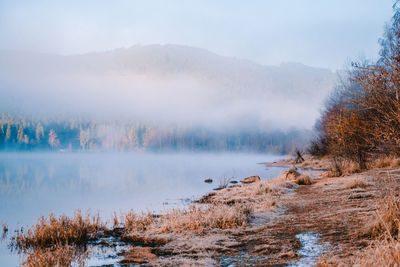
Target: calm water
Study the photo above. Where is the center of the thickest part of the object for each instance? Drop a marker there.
(33, 184)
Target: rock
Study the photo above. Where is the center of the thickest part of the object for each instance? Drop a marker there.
(208, 180)
(251, 179)
(233, 182)
(291, 174)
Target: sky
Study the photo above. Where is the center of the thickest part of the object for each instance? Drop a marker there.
(318, 33)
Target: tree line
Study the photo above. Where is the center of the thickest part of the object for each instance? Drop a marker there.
(23, 134)
(361, 120)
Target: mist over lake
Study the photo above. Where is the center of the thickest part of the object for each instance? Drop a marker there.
(33, 184)
(198, 133)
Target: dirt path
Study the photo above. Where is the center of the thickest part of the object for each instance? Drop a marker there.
(328, 207)
(337, 210)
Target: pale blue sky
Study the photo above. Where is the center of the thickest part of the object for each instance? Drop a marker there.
(321, 33)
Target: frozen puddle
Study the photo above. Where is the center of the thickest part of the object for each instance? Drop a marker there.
(310, 250)
(106, 252)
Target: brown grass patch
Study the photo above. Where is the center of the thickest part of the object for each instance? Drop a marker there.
(62, 256)
(304, 180)
(384, 252)
(340, 167)
(195, 218)
(387, 217)
(261, 196)
(53, 231)
(198, 219)
(137, 222)
(386, 162)
(356, 183)
(381, 253)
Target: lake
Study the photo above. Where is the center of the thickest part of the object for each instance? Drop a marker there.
(34, 184)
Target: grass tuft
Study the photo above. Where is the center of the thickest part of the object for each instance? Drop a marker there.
(387, 217)
(58, 231)
(61, 256)
(304, 180)
(356, 183)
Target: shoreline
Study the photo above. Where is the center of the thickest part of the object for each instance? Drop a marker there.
(268, 222)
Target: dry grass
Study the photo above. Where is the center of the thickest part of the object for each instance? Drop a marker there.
(385, 252)
(341, 167)
(387, 217)
(261, 196)
(198, 219)
(385, 249)
(62, 256)
(304, 180)
(381, 253)
(386, 162)
(137, 222)
(195, 218)
(356, 183)
(53, 231)
(345, 167)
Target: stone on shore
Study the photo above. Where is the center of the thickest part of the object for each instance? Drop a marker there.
(251, 179)
(291, 174)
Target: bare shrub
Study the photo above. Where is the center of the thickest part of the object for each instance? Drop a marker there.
(224, 182)
(318, 147)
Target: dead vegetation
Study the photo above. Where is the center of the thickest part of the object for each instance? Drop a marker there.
(57, 241)
(194, 218)
(385, 249)
(382, 231)
(260, 196)
(61, 256)
(387, 217)
(304, 180)
(200, 218)
(58, 231)
(386, 162)
(356, 183)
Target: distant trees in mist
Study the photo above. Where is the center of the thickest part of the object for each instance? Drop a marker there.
(362, 118)
(19, 133)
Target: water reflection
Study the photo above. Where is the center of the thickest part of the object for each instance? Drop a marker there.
(32, 184)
